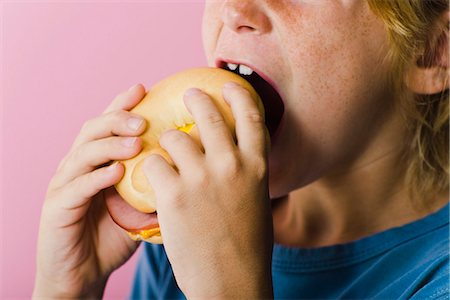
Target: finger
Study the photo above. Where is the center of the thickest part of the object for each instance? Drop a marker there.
(214, 133)
(183, 150)
(128, 99)
(160, 175)
(77, 193)
(251, 132)
(117, 122)
(89, 156)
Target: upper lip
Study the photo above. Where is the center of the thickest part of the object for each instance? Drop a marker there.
(221, 62)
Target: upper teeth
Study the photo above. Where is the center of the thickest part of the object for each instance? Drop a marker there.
(232, 66)
(243, 70)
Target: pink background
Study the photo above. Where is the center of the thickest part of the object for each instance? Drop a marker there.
(62, 62)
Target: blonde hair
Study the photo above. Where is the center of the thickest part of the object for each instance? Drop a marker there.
(410, 26)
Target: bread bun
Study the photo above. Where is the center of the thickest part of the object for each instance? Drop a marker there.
(154, 239)
(163, 108)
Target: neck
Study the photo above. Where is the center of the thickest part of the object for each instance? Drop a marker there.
(366, 198)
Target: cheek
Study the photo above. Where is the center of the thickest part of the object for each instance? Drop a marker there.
(340, 74)
(340, 51)
(337, 99)
(211, 25)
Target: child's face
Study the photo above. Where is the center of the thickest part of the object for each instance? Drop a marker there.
(325, 56)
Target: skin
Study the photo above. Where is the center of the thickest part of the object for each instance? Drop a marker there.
(342, 131)
(79, 245)
(239, 218)
(336, 159)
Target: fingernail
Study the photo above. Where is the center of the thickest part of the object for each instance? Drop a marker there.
(134, 123)
(112, 167)
(192, 91)
(230, 84)
(129, 141)
(133, 87)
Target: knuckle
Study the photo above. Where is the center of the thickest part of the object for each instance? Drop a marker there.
(115, 116)
(171, 136)
(62, 163)
(260, 168)
(253, 117)
(199, 178)
(86, 125)
(86, 185)
(78, 183)
(50, 194)
(121, 147)
(58, 178)
(231, 166)
(119, 96)
(175, 199)
(214, 118)
(76, 154)
(243, 94)
(243, 91)
(52, 186)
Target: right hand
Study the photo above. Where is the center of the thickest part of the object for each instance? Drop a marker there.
(79, 245)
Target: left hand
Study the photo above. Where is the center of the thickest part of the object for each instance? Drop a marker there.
(214, 213)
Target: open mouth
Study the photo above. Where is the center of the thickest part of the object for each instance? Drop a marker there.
(273, 104)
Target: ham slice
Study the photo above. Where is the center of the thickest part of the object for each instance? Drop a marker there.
(127, 216)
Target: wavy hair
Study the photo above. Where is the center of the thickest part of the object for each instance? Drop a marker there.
(411, 25)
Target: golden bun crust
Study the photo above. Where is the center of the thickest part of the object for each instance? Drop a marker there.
(156, 239)
(163, 108)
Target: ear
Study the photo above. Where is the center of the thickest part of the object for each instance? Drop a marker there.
(429, 74)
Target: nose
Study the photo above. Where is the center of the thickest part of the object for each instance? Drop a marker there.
(245, 16)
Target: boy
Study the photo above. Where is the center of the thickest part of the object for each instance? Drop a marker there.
(353, 190)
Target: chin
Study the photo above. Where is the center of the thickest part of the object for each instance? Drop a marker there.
(282, 181)
(278, 186)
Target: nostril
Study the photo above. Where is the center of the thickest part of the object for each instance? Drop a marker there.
(245, 29)
(245, 17)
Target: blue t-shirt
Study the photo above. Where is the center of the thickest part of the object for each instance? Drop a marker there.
(411, 261)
